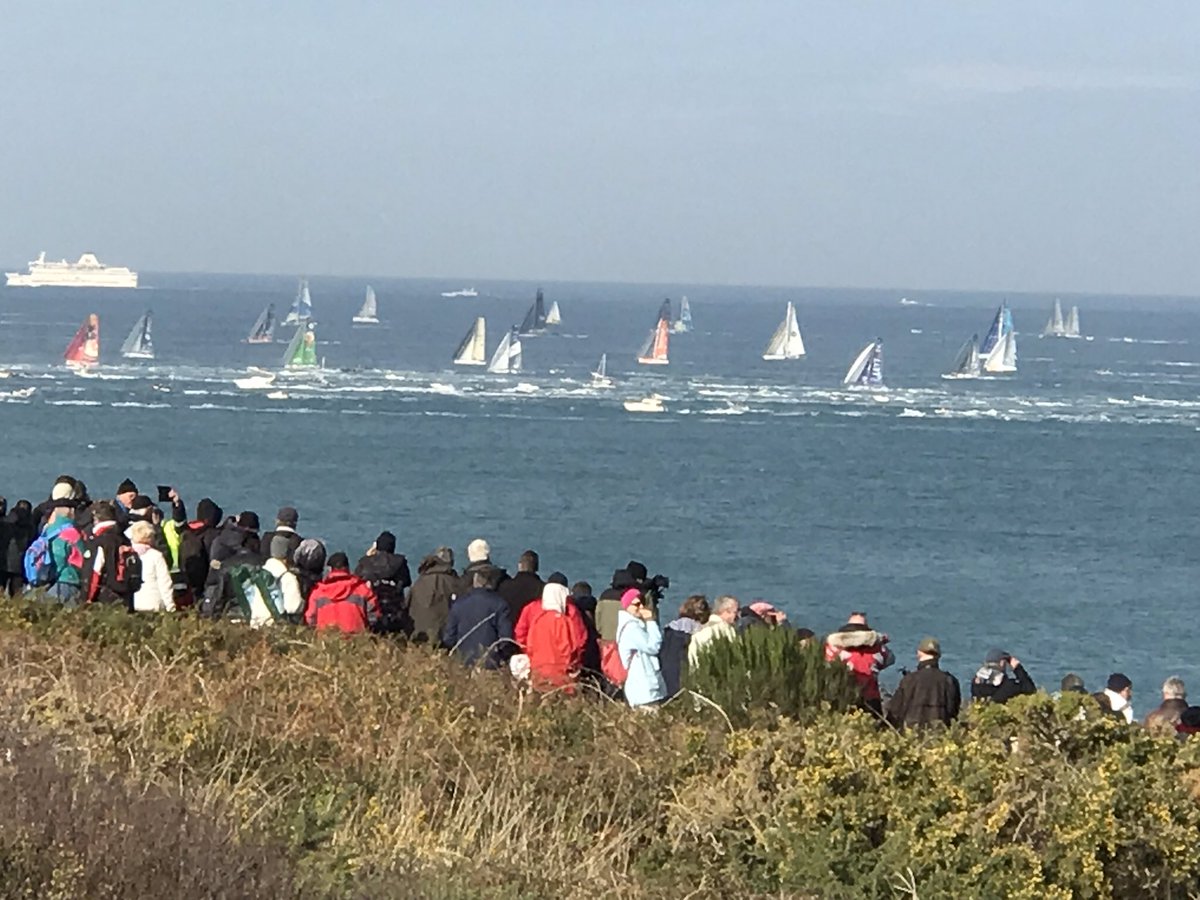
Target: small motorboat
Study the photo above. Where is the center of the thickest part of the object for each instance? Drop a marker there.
(648, 404)
(256, 382)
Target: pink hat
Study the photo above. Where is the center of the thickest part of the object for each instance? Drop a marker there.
(629, 596)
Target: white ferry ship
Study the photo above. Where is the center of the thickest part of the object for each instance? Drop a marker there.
(88, 272)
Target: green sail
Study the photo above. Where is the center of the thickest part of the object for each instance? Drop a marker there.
(302, 350)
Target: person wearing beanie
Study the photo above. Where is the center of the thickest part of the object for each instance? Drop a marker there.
(927, 696)
(429, 599)
(719, 626)
(1071, 684)
(342, 601)
(1119, 692)
(194, 552)
(479, 557)
(609, 605)
(558, 578)
(865, 653)
(478, 630)
(126, 493)
(308, 562)
(552, 634)
(387, 573)
(291, 599)
(108, 569)
(523, 588)
(581, 596)
(993, 682)
(639, 640)
(1164, 719)
(286, 521)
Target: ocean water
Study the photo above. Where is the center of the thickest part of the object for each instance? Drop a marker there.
(1051, 513)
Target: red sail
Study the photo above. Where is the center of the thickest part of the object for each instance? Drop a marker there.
(84, 349)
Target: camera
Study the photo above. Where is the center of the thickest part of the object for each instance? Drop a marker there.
(656, 586)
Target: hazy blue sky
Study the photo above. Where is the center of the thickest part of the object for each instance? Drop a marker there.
(1003, 145)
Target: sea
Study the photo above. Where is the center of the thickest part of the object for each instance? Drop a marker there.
(1050, 513)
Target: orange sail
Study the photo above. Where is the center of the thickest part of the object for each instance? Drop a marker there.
(654, 351)
(84, 349)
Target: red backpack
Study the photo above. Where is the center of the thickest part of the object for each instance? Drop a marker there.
(611, 664)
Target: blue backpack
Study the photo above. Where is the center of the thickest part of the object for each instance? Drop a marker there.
(40, 568)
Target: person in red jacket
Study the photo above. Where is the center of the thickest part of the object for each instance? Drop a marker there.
(865, 652)
(342, 600)
(553, 636)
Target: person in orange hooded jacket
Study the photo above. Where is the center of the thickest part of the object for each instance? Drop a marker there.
(342, 600)
(553, 635)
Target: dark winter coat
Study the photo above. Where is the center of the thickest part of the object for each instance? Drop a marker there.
(479, 629)
(591, 649)
(673, 654)
(293, 541)
(518, 591)
(18, 534)
(1008, 688)
(220, 595)
(96, 581)
(1164, 719)
(429, 599)
(466, 581)
(388, 575)
(925, 697)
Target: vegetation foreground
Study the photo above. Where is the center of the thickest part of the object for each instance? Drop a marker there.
(170, 757)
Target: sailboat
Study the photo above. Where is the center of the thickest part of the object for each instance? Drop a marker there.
(535, 320)
(507, 358)
(301, 351)
(786, 342)
(1002, 324)
(473, 349)
(600, 376)
(369, 313)
(84, 350)
(654, 350)
(867, 369)
(664, 311)
(683, 324)
(1072, 329)
(139, 345)
(1054, 325)
(263, 331)
(966, 363)
(554, 316)
(302, 308)
(1003, 358)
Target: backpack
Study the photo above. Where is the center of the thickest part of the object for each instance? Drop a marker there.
(124, 574)
(39, 564)
(611, 665)
(246, 580)
(193, 559)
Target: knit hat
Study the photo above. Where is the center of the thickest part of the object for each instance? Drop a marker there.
(386, 542)
(126, 487)
(637, 570)
(288, 516)
(629, 596)
(995, 656)
(309, 555)
(557, 578)
(1072, 684)
(478, 551)
(248, 520)
(62, 491)
(208, 511)
(279, 546)
(141, 501)
(931, 646)
(1117, 682)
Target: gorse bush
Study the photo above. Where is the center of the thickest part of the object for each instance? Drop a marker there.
(765, 673)
(165, 757)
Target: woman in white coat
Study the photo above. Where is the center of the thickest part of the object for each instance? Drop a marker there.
(157, 593)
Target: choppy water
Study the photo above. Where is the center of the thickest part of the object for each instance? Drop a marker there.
(1051, 513)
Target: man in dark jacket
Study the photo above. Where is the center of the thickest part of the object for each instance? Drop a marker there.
(18, 535)
(195, 549)
(235, 537)
(1164, 719)
(479, 556)
(387, 573)
(992, 681)
(478, 628)
(524, 587)
(429, 599)
(581, 594)
(928, 695)
(221, 592)
(103, 576)
(286, 521)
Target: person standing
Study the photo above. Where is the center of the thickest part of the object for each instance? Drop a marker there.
(478, 629)
(677, 637)
(993, 682)
(286, 521)
(1119, 694)
(524, 587)
(342, 601)
(638, 641)
(429, 599)
(865, 653)
(927, 696)
(718, 627)
(552, 634)
(157, 591)
(387, 573)
(19, 532)
(1164, 719)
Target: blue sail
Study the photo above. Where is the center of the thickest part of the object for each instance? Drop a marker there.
(1001, 325)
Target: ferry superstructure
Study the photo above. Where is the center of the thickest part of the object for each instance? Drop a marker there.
(87, 272)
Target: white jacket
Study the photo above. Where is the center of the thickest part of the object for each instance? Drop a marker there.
(714, 629)
(293, 600)
(157, 593)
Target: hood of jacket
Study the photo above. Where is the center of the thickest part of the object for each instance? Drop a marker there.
(684, 624)
(339, 585)
(622, 579)
(851, 640)
(435, 565)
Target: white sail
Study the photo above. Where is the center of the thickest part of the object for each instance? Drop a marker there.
(867, 367)
(139, 344)
(1054, 325)
(554, 316)
(600, 376)
(473, 349)
(369, 313)
(1003, 358)
(507, 358)
(786, 342)
(1072, 329)
(302, 308)
(966, 362)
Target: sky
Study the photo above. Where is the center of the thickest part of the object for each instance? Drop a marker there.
(989, 145)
